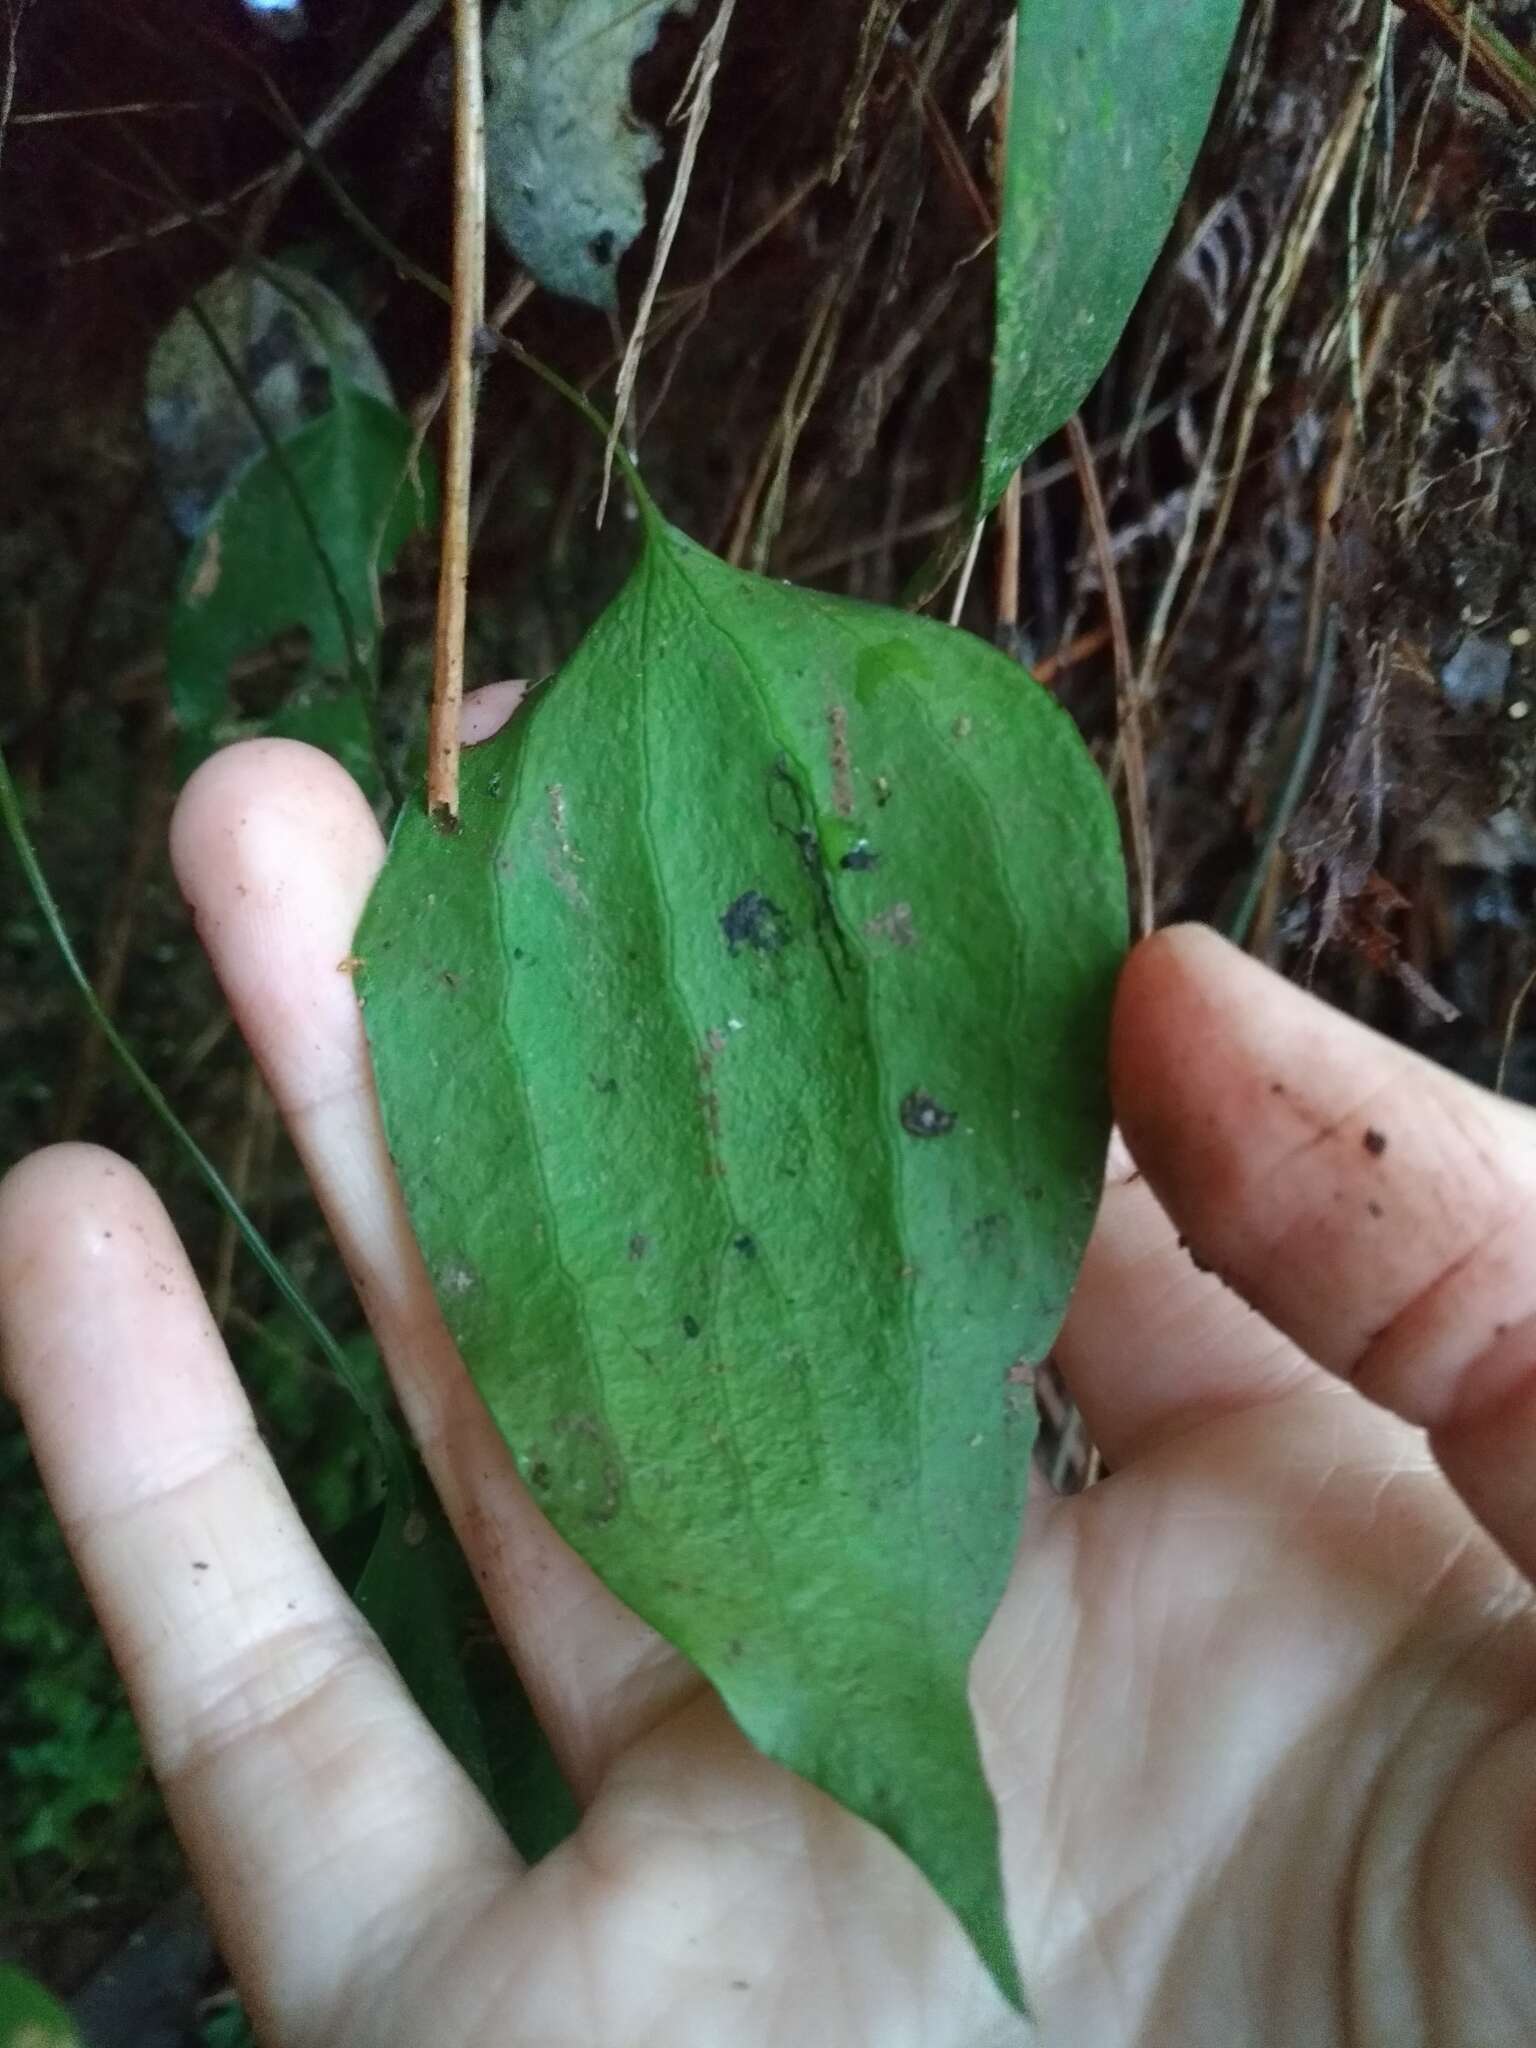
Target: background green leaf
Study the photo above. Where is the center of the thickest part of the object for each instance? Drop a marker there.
(418, 1594)
(743, 1059)
(254, 570)
(565, 153)
(29, 2017)
(1110, 103)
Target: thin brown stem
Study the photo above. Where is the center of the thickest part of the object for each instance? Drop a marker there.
(1127, 696)
(463, 377)
(706, 65)
(1009, 552)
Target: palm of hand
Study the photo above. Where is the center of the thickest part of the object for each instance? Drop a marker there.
(1258, 1710)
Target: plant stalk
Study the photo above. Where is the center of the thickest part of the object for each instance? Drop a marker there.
(463, 379)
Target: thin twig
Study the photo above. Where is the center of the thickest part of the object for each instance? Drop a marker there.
(15, 9)
(706, 65)
(916, 528)
(463, 378)
(1128, 704)
(376, 66)
(1083, 648)
(1295, 782)
(1493, 60)
(1298, 245)
(821, 344)
(49, 116)
(1009, 551)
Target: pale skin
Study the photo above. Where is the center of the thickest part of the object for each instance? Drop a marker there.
(1260, 1710)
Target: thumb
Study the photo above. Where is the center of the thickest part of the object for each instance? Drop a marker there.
(1376, 1209)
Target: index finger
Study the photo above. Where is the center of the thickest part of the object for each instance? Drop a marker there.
(315, 1804)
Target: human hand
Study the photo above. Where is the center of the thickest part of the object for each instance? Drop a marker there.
(1260, 1710)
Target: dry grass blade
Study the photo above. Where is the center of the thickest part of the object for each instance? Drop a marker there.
(463, 376)
(702, 83)
(967, 571)
(875, 31)
(1127, 695)
(1490, 59)
(1294, 251)
(1511, 1026)
(817, 354)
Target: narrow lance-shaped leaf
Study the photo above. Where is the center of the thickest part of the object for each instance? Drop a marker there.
(743, 1059)
(1111, 99)
(406, 1574)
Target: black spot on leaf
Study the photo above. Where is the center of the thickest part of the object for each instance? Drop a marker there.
(859, 859)
(690, 1326)
(922, 1117)
(753, 920)
(746, 1245)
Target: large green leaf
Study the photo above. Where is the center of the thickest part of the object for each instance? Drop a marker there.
(743, 1058)
(258, 568)
(1111, 99)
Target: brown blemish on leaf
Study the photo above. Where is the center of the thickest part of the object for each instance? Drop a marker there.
(841, 761)
(351, 964)
(894, 925)
(592, 1473)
